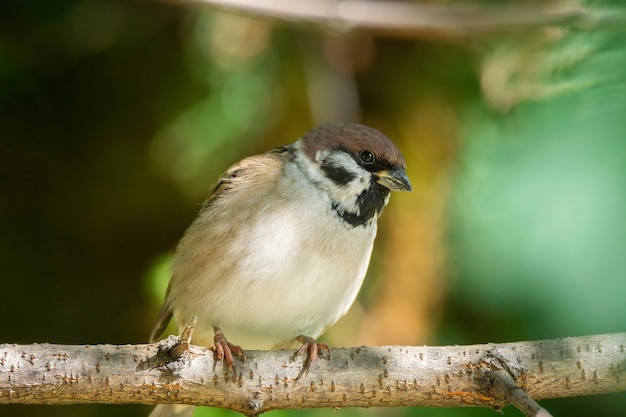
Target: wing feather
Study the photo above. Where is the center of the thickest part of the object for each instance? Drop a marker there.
(224, 210)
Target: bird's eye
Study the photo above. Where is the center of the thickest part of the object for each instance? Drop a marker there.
(367, 157)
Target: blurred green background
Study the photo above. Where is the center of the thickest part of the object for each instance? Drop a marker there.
(116, 117)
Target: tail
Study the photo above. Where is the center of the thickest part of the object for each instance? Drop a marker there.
(165, 315)
(172, 410)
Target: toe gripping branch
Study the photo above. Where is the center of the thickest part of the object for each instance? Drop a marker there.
(313, 348)
(224, 349)
(174, 348)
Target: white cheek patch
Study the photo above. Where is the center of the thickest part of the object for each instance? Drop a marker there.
(356, 179)
(342, 185)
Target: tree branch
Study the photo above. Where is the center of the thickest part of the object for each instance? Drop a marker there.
(503, 382)
(412, 19)
(355, 377)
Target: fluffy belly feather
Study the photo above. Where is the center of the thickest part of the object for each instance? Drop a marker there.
(297, 283)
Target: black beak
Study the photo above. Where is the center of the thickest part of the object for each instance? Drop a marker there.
(394, 179)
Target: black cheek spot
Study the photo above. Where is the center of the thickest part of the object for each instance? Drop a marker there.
(337, 174)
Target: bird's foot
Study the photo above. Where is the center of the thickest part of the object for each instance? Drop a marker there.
(313, 347)
(224, 349)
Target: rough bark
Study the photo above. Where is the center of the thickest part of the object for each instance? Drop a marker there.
(354, 377)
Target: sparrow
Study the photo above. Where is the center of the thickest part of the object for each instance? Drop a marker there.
(282, 244)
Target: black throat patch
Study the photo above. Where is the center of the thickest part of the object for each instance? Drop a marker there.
(370, 202)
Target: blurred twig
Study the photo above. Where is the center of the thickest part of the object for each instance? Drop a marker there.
(412, 19)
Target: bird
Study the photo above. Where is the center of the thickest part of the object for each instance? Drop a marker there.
(282, 244)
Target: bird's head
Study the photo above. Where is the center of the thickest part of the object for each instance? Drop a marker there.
(358, 166)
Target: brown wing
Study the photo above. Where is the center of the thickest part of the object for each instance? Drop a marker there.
(246, 170)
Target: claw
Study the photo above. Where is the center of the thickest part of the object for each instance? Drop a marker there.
(309, 344)
(224, 349)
